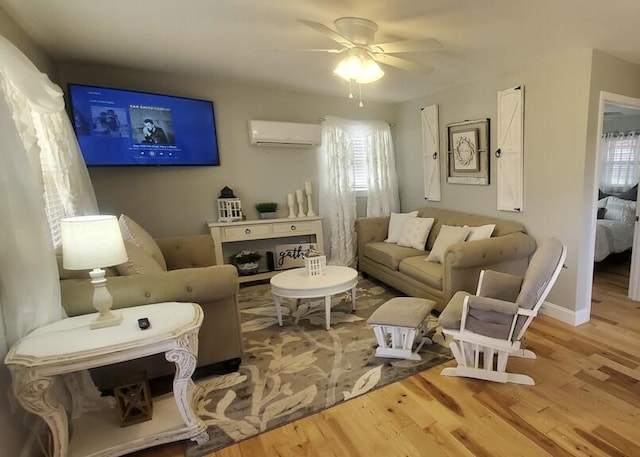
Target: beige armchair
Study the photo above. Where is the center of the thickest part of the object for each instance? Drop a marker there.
(487, 328)
(191, 276)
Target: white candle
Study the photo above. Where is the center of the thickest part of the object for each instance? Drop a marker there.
(299, 194)
(307, 187)
(290, 199)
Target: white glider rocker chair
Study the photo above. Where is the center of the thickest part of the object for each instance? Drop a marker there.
(488, 327)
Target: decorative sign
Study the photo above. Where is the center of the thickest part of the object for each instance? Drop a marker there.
(291, 255)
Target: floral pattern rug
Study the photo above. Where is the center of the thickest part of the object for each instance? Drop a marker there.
(299, 369)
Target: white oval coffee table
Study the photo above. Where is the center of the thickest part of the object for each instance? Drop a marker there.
(296, 284)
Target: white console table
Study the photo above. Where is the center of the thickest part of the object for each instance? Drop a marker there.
(227, 232)
(41, 358)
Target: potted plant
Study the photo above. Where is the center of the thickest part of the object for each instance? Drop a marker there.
(267, 210)
(246, 262)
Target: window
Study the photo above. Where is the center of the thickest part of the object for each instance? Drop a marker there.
(361, 174)
(620, 161)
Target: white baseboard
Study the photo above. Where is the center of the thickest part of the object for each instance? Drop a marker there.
(565, 315)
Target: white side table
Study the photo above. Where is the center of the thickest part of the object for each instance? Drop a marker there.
(296, 284)
(39, 359)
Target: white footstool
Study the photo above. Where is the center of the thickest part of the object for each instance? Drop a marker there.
(397, 323)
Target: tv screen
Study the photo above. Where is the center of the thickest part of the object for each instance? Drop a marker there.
(118, 127)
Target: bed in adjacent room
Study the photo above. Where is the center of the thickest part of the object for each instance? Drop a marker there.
(614, 229)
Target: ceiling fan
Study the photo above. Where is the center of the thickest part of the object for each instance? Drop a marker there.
(357, 37)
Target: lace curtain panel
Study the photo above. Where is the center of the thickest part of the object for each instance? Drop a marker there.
(337, 194)
(36, 135)
(620, 161)
(382, 194)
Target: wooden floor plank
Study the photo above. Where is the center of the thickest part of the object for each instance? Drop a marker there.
(586, 402)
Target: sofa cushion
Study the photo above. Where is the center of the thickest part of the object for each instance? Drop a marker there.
(139, 261)
(449, 234)
(396, 222)
(389, 255)
(418, 268)
(133, 232)
(414, 233)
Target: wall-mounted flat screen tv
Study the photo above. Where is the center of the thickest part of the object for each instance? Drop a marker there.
(118, 127)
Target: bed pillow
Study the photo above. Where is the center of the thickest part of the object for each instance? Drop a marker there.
(620, 210)
(415, 232)
(630, 194)
(449, 234)
(480, 233)
(396, 222)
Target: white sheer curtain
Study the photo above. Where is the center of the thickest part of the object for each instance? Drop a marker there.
(337, 194)
(382, 194)
(620, 161)
(41, 167)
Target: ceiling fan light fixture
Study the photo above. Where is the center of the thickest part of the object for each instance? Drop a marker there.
(359, 67)
(370, 72)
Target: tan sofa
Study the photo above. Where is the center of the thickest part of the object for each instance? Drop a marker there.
(405, 269)
(190, 277)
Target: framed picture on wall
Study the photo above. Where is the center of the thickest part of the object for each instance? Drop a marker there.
(465, 150)
(468, 152)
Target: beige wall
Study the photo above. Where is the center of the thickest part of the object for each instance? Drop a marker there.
(174, 200)
(12, 434)
(556, 102)
(620, 77)
(12, 31)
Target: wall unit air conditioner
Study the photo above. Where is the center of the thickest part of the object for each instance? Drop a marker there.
(283, 134)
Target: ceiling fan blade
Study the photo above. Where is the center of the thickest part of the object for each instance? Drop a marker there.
(402, 63)
(326, 31)
(330, 51)
(395, 47)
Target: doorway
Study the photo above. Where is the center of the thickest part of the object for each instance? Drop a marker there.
(617, 232)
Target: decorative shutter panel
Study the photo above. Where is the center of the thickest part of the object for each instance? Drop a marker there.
(431, 156)
(510, 149)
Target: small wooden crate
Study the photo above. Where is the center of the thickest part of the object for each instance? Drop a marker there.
(229, 210)
(133, 398)
(315, 266)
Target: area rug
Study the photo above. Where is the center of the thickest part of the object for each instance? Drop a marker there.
(301, 368)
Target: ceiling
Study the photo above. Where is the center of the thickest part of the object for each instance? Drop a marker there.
(256, 40)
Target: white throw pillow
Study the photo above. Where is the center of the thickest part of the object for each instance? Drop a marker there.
(449, 234)
(415, 232)
(396, 223)
(480, 233)
(134, 233)
(138, 261)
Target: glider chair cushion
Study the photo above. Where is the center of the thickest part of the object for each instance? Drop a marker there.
(490, 324)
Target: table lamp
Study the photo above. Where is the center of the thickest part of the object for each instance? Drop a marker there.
(94, 242)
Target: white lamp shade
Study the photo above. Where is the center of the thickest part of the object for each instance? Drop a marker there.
(91, 242)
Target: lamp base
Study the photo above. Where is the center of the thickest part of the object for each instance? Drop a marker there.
(111, 320)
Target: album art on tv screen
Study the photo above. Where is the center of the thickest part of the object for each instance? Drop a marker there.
(122, 127)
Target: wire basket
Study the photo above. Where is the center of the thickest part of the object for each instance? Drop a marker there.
(315, 266)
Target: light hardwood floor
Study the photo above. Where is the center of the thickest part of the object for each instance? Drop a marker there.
(586, 402)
